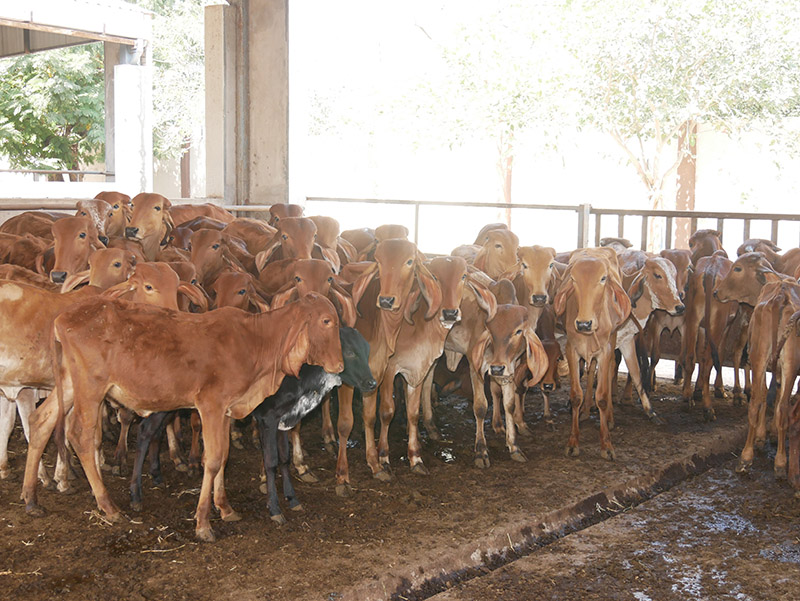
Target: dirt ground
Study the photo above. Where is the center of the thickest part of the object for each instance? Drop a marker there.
(340, 548)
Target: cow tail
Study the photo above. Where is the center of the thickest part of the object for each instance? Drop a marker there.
(708, 289)
(60, 429)
(644, 363)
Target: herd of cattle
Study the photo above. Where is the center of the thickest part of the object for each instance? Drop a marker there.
(154, 309)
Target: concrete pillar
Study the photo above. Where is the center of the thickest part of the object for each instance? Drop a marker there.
(110, 60)
(221, 34)
(268, 29)
(133, 144)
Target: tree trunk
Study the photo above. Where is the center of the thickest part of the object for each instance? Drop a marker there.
(687, 177)
(504, 169)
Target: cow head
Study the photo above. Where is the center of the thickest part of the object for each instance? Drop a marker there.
(316, 275)
(537, 267)
(74, 238)
(212, 254)
(704, 243)
(157, 284)
(658, 278)
(743, 283)
(355, 352)
(498, 254)
(294, 239)
(313, 337)
(682, 260)
(282, 211)
(238, 289)
(151, 222)
(98, 211)
(120, 212)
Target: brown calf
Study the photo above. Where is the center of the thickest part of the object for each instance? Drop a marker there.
(75, 238)
(151, 223)
(120, 212)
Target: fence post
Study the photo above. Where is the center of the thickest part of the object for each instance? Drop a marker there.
(584, 211)
(416, 224)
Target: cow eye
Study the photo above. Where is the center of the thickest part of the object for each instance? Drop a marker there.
(518, 332)
(326, 321)
(116, 207)
(524, 266)
(284, 237)
(349, 354)
(551, 264)
(83, 213)
(241, 292)
(110, 214)
(410, 262)
(157, 208)
(215, 246)
(658, 276)
(117, 264)
(498, 246)
(330, 280)
(172, 238)
(737, 269)
(148, 287)
(603, 279)
(82, 235)
(297, 278)
(194, 281)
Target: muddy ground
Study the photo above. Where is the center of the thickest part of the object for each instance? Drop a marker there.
(386, 540)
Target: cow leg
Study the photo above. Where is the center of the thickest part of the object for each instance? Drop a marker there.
(220, 496)
(125, 418)
(612, 368)
(387, 409)
(497, 408)
(782, 417)
(509, 393)
(603, 400)
(328, 437)
(195, 455)
(754, 409)
(8, 417)
(688, 346)
(589, 396)
(236, 434)
(427, 406)
(299, 457)
(173, 430)
(794, 422)
(150, 428)
(479, 408)
(26, 404)
(216, 438)
(154, 454)
(288, 488)
(268, 433)
(575, 399)
(628, 349)
(413, 397)
(344, 426)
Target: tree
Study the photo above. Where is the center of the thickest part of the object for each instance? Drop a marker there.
(51, 108)
(653, 69)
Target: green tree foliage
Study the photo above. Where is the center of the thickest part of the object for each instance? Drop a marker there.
(51, 108)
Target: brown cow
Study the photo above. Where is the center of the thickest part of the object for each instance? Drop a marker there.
(787, 263)
(254, 352)
(256, 234)
(98, 211)
(594, 306)
(294, 239)
(75, 238)
(386, 301)
(214, 252)
(151, 223)
(704, 243)
(620, 245)
(498, 254)
(536, 278)
(36, 223)
(20, 274)
(360, 239)
(120, 212)
(238, 289)
(183, 213)
(27, 251)
(328, 245)
(283, 210)
(789, 362)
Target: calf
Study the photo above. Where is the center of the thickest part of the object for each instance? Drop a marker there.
(283, 210)
(704, 243)
(498, 253)
(120, 212)
(75, 239)
(789, 361)
(294, 239)
(183, 213)
(224, 363)
(255, 233)
(151, 223)
(36, 223)
(787, 263)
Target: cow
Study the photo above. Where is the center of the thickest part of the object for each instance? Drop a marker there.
(787, 263)
(75, 238)
(620, 245)
(151, 222)
(536, 278)
(283, 210)
(789, 362)
(594, 305)
(254, 233)
(120, 212)
(214, 252)
(238, 289)
(21, 274)
(704, 243)
(99, 212)
(183, 213)
(294, 239)
(36, 223)
(27, 251)
(387, 300)
(498, 254)
(224, 363)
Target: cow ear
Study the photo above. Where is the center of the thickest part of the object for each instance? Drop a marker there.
(485, 299)
(347, 249)
(263, 257)
(480, 259)
(194, 294)
(347, 310)
(636, 291)
(477, 352)
(294, 350)
(361, 283)
(623, 302)
(284, 297)
(430, 289)
(564, 292)
(118, 291)
(536, 356)
(231, 260)
(331, 256)
(411, 306)
(75, 280)
(259, 303)
(762, 279)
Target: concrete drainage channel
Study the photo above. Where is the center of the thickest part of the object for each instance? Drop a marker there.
(516, 540)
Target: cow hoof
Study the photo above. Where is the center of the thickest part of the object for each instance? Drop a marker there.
(331, 448)
(709, 415)
(236, 443)
(482, 462)
(420, 469)
(780, 472)
(65, 488)
(278, 519)
(308, 476)
(6, 474)
(697, 395)
(760, 444)
(433, 433)
(263, 488)
(501, 429)
(136, 506)
(611, 424)
(551, 424)
(50, 485)
(181, 467)
(691, 403)
(205, 535)
(608, 454)
(656, 419)
(721, 394)
(231, 517)
(743, 466)
(107, 468)
(34, 510)
(119, 470)
(384, 474)
(193, 471)
(519, 456)
(344, 491)
(573, 451)
(114, 517)
(297, 507)
(525, 431)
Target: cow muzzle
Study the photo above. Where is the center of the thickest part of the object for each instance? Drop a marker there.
(58, 277)
(131, 232)
(104, 240)
(497, 370)
(680, 309)
(538, 300)
(583, 326)
(548, 387)
(450, 316)
(368, 385)
(386, 302)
